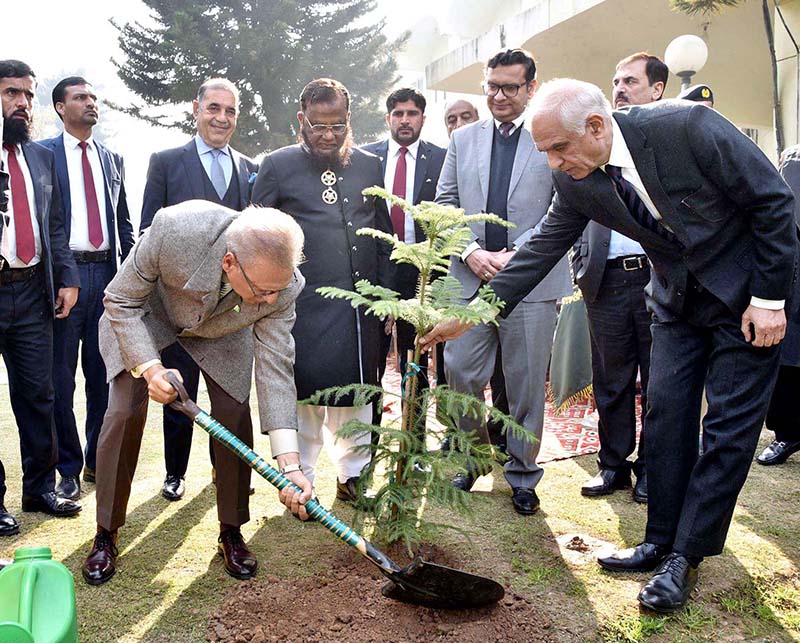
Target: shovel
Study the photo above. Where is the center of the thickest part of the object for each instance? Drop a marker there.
(420, 582)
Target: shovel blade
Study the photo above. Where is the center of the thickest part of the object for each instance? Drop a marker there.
(437, 586)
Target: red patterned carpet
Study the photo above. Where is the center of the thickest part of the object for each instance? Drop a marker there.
(570, 434)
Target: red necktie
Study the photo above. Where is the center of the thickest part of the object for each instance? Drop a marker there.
(26, 244)
(92, 209)
(399, 189)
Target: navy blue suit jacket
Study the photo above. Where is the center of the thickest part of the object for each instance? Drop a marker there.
(120, 229)
(176, 175)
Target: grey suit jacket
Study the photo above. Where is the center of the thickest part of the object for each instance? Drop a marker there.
(168, 289)
(731, 212)
(464, 183)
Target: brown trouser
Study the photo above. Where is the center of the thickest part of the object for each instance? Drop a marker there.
(121, 438)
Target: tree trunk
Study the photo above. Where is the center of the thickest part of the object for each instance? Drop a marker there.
(775, 98)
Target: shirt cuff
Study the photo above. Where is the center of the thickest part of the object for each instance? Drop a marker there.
(283, 441)
(138, 371)
(768, 304)
(469, 250)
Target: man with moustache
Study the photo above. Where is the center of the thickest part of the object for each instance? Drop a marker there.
(459, 113)
(92, 183)
(612, 271)
(38, 282)
(207, 167)
(493, 166)
(411, 169)
(319, 182)
(717, 222)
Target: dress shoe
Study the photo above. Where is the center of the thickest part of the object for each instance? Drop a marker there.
(239, 562)
(645, 557)
(446, 446)
(640, 489)
(100, 564)
(352, 491)
(525, 501)
(669, 588)
(89, 475)
(51, 503)
(69, 487)
(777, 452)
(173, 488)
(8, 524)
(463, 481)
(607, 482)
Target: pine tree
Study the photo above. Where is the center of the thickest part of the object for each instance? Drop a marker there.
(270, 49)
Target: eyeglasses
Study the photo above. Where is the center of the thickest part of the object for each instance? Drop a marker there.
(258, 294)
(509, 90)
(337, 128)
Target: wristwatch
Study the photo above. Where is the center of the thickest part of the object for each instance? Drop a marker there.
(290, 468)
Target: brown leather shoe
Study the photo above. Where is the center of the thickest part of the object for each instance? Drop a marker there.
(239, 561)
(100, 564)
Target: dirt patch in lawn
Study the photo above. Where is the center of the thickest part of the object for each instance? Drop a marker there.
(345, 605)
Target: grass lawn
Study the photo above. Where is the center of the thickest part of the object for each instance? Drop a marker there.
(170, 581)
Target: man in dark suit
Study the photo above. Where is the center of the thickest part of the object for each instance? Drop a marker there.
(91, 180)
(411, 169)
(207, 167)
(717, 223)
(612, 271)
(38, 280)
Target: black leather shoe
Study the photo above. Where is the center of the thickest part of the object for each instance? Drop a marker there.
(352, 491)
(446, 446)
(69, 487)
(8, 524)
(777, 452)
(645, 557)
(606, 482)
(89, 475)
(101, 563)
(640, 489)
(463, 481)
(173, 488)
(525, 501)
(239, 562)
(51, 503)
(669, 588)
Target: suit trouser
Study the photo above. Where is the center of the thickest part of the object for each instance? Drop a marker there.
(619, 325)
(782, 413)
(526, 337)
(26, 343)
(691, 498)
(121, 439)
(80, 329)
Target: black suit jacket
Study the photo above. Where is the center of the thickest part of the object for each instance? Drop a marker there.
(430, 159)
(730, 210)
(60, 268)
(118, 218)
(176, 175)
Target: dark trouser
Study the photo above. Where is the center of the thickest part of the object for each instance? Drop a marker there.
(499, 399)
(782, 415)
(26, 342)
(2, 483)
(619, 325)
(80, 329)
(121, 438)
(177, 427)
(691, 498)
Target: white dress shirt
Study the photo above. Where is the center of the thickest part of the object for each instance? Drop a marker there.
(79, 224)
(621, 157)
(392, 154)
(8, 242)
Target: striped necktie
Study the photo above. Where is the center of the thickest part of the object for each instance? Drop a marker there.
(635, 205)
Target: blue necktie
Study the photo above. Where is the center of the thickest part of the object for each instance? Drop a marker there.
(217, 175)
(635, 205)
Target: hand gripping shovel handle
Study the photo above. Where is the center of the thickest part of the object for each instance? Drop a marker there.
(276, 478)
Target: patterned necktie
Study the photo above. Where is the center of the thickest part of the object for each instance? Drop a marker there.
(26, 244)
(635, 205)
(217, 175)
(399, 189)
(92, 209)
(505, 129)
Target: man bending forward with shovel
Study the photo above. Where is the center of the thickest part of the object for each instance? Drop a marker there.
(223, 284)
